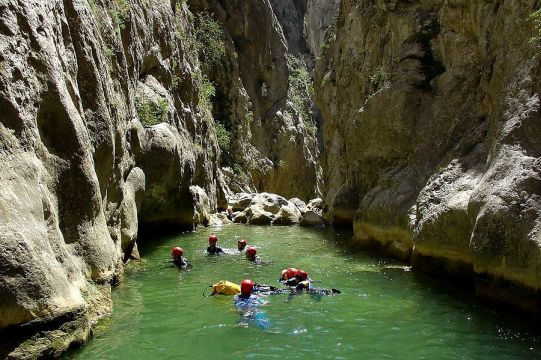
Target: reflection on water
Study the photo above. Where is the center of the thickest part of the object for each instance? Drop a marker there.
(384, 311)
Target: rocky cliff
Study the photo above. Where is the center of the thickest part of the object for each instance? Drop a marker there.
(262, 95)
(432, 136)
(110, 120)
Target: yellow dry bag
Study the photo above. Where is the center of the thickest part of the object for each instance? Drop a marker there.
(225, 288)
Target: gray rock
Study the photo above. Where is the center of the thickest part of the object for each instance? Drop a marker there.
(240, 201)
(287, 215)
(311, 218)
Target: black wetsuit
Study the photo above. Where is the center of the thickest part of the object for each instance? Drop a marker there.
(181, 263)
(316, 291)
(216, 251)
(268, 290)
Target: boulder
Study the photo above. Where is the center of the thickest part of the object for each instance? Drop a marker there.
(240, 217)
(269, 202)
(201, 206)
(315, 204)
(240, 201)
(257, 215)
(311, 218)
(288, 215)
(301, 205)
(133, 197)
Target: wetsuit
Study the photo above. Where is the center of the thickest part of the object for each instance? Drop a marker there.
(305, 286)
(181, 262)
(248, 308)
(215, 251)
(268, 290)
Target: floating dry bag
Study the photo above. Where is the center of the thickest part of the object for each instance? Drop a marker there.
(225, 288)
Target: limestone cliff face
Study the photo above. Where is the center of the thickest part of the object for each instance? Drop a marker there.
(256, 99)
(78, 171)
(432, 126)
(319, 15)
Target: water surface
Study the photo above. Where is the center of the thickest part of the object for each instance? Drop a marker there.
(385, 311)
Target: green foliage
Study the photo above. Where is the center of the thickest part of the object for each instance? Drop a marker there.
(241, 174)
(535, 22)
(206, 37)
(150, 113)
(249, 117)
(210, 39)
(223, 136)
(92, 5)
(119, 12)
(301, 88)
(311, 128)
(379, 77)
(205, 89)
(108, 52)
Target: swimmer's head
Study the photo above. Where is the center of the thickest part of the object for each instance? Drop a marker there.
(241, 244)
(213, 239)
(246, 287)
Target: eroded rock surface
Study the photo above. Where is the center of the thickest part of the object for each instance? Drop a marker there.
(437, 131)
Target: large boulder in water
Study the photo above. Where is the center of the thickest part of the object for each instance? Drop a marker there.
(288, 215)
(240, 201)
(311, 218)
(258, 216)
(269, 202)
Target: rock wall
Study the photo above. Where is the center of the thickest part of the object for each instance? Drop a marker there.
(319, 15)
(432, 125)
(254, 101)
(78, 170)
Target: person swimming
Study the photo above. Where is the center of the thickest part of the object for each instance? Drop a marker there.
(212, 249)
(292, 277)
(248, 304)
(306, 287)
(241, 245)
(178, 260)
(251, 254)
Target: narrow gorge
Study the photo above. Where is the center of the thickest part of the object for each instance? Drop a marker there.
(414, 123)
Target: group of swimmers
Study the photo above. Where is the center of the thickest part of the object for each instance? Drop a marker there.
(248, 296)
(296, 280)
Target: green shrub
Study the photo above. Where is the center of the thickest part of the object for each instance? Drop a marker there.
(249, 117)
(223, 136)
(300, 86)
(379, 77)
(241, 174)
(210, 39)
(535, 22)
(150, 113)
(206, 91)
(119, 12)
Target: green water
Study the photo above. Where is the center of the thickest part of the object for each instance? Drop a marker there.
(384, 312)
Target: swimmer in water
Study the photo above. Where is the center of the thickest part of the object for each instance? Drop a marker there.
(212, 249)
(241, 245)
(178, 259)
(248, 304)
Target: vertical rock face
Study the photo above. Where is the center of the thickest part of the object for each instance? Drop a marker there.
(432, 117)
(78, 171)
(255, 99)
(319, 15)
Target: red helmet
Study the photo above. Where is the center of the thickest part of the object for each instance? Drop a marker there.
(177, 251)
(246, 287)
(213, 239)
(251, 250)
(242, 242)
(291, 272)
(303, 275)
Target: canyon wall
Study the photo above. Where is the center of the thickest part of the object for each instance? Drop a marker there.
(432, 137)
(109, 122)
